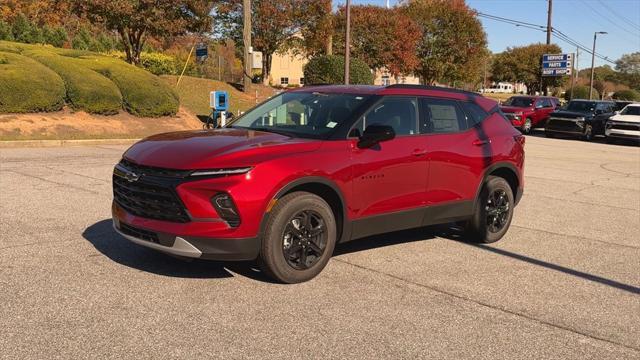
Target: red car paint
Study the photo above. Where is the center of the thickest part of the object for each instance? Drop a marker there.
(407, 172)
(538, 111)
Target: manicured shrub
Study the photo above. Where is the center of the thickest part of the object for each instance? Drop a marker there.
(154, 62)
(143, 93)
(580, 92)
(628, 95)
(330, 70)
(28, 86)
(86, 89)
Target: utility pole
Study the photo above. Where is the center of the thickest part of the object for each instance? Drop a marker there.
(593, 59)
(246, 38)
(347, 43)
(576, 70)
(549, 28)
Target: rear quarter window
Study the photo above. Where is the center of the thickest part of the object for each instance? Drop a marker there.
(474, 113)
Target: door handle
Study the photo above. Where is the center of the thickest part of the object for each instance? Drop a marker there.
(481, 142)
(419, 152)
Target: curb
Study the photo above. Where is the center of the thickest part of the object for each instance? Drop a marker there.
(60, 143)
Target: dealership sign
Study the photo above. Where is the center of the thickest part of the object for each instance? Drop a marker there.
(557, 64)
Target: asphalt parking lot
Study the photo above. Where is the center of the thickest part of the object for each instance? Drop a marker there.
(563, 283)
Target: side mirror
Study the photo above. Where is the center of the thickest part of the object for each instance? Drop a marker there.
(374, 134)
(617, 112)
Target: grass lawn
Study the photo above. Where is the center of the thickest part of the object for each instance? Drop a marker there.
(194, 94)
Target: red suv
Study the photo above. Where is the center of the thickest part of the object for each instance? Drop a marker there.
(321, 165)
(528, 112)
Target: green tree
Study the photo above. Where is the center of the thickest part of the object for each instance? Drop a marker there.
(524, 64)
(453, 43)
(629, 67)
(273, 26)
(581, 92)
(25, 31)
(628, 95)
(5, 31)
(55, 36)
(329, 69)
(135, 20)
(381, 37)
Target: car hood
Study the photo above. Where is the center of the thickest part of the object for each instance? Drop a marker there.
(513, 109)
(626, 118)
(569, 114)
(208, 149)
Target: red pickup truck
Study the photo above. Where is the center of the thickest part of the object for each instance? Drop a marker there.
(528, 112)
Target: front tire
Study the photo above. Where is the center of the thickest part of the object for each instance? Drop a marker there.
(299, 238)
(588, 133)
(493, 213)
(526, 127)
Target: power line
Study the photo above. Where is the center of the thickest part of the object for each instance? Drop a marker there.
(621, 17)
(557, 33)
(600, 14)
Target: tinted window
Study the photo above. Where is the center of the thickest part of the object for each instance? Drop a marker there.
(304, 114)
(400, 113)
(442, 116)
(631, 110)
(582, 106)
(474, 113)
(546, 103)
(519, 101)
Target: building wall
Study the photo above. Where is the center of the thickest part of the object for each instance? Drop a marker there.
(382, 77)
(287, 67)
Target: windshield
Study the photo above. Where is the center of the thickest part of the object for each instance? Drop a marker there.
(301, 114)
(631, 110)
(522, 102)
(581, 106)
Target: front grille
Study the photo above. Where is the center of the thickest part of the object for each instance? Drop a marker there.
(150, 196)
(154, 171)
(563, 125)
(623, 126)
(139, 233)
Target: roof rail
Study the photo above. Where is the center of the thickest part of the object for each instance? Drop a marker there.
(429, 87)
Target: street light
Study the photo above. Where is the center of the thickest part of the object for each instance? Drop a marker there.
(593, 58)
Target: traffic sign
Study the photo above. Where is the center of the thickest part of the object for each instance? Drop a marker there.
(202, 51)
(557, 64)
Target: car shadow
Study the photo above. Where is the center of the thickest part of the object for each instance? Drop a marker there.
(108, 242)
(111, 244)
(598, 139)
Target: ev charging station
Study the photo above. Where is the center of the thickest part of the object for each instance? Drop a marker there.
(219, 103)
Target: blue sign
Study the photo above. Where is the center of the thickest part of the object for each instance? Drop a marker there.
(557, 64)
(202, 51)
(556, 57)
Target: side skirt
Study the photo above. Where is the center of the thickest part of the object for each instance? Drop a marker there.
(409, 219)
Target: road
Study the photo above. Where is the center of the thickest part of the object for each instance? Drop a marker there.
(564, 283)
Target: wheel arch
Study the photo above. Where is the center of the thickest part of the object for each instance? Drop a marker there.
(507, 171)
(322, 187)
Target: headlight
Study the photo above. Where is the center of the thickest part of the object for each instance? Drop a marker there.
(218, 172)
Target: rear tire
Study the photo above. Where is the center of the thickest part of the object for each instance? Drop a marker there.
(299, 238)
(493, 212)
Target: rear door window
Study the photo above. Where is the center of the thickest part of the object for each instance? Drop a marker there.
(442, 116)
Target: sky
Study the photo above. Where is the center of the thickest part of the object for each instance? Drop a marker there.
(578, 19)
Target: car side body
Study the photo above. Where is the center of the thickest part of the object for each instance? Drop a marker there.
(529, 112)
(210, 193)
(581, 118)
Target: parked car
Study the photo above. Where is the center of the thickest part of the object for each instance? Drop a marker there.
(528, 112)
(319, 165)
(581, 118)
(624, 124)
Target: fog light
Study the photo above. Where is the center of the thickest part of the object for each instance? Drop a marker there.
(226, 209)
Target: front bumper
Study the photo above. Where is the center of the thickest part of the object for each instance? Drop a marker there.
(622, 134)
(223, 249)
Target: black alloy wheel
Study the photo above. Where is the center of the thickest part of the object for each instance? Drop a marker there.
(304, 239)
(497, 210)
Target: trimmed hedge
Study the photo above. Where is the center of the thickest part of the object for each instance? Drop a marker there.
(628, 95)
(330, 70)
(28, 86)
(86, 89)
(581, 92)
(88, 76)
